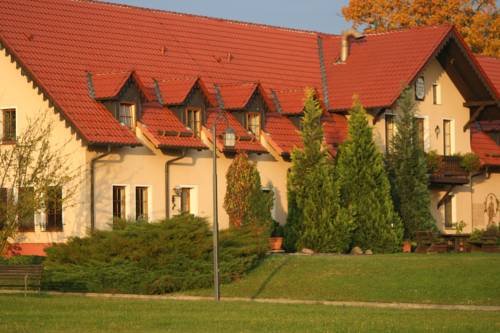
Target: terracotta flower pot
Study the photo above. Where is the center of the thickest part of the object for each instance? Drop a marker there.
(275, 243)
(406, 247)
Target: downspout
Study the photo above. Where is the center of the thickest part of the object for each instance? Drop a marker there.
(92, 187)
(167, 181)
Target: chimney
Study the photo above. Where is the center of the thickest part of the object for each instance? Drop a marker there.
(346, 35)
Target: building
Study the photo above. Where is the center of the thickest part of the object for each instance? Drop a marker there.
(135, 92)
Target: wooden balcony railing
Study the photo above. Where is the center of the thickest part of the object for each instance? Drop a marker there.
(449, 171)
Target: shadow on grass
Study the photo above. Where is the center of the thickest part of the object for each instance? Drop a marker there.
(270, 277)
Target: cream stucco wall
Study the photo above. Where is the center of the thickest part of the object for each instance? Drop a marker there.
(145, 166)
(16, 92)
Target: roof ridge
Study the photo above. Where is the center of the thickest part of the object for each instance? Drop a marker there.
(409, 29)
(234, 21)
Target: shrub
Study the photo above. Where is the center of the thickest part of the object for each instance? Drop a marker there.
(156, 258)
(22, 260)
(471, 163)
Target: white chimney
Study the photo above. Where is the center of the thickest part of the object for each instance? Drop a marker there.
(344, 51)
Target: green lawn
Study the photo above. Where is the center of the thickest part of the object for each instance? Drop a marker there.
(80, 314)
(443, 279)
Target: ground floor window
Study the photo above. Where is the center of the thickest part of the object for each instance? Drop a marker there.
(26, 199)
(119, 203)
(54, 209)
(3, 207)
(141, 203)
(448, 211)
(185, 200)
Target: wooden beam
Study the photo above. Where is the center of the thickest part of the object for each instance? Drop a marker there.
(480, 103)
(473, 117)
(441, 201)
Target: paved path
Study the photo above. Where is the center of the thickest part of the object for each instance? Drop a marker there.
(283, 301)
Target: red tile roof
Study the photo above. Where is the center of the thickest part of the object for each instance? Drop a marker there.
(174, 91)
(162, 127)
(379, 65)
(491, 67)
(283, 136)
(108, 85)
(335, 131)
(484, 145)
(291, 101)
(237, 95)
(245, 141)
(59, 41)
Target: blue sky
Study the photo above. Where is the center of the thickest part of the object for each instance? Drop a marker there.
(319, 15)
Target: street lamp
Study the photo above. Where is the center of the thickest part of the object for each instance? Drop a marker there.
(229, 142)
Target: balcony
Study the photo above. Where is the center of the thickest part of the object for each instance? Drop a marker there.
(447, 170)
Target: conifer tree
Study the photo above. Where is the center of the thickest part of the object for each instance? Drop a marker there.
(365, 189)
(245, 203)
(408, 170)
(314, 206)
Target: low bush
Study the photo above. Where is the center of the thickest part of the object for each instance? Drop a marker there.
(152, 258)
(22, 260)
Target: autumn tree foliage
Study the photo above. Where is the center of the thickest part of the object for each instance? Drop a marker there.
(245, 202)
(477, 20)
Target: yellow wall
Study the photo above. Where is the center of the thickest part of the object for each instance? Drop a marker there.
(16, 92)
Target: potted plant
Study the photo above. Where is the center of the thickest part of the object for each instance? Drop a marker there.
(406, 246)
(276, 239)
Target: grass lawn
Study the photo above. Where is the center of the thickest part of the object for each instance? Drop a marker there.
(80, 314)
(436, 278)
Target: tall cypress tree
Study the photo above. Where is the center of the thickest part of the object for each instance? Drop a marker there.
(365, 189)
(408, 170)
(314, 221)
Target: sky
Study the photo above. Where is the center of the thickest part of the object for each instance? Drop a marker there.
(317, 15)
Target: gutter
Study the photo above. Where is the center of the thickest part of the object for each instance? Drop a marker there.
(167, 180)
(92, 187)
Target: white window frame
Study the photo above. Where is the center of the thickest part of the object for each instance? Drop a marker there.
(127, 200)
(43, 216)
(438, 97)
(150, 201)
(453, 212)
(427, 138)
(452, 135)
(1, 119)
(193, 198)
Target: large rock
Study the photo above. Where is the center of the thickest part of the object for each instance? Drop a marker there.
(369, 252)
(307, 251)
(356, 250)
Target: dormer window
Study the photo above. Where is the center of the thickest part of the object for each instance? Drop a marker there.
(192, 120)
(126, 115)
(253, 123)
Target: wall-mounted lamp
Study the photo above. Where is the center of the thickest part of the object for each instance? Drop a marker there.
(437, 130)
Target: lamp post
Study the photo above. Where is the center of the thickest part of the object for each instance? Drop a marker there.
(229, 142)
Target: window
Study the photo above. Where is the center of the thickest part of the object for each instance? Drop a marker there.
(126, 115)
(185, 200)
(26, 201)
(448, 212)
(193, 120)
(447, 137)
(141, 203)
(421, 132)
(253, 123)
(9, 125)
(3, 207)
(53, 209)
(119, 203)
(436, 94)
(389, 130)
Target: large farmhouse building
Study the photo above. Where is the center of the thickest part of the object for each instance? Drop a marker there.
(134, 92)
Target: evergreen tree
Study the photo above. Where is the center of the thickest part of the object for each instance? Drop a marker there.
(314, 220)
(408, 170)
(245, 202)
(365, 189)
